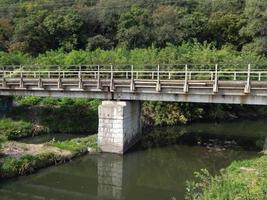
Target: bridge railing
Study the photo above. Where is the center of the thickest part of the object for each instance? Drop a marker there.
(152, 72)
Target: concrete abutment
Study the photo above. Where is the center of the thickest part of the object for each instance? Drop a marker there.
(119, 125)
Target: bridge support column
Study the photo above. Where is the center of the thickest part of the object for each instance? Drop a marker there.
(6, 103)
(119, 125)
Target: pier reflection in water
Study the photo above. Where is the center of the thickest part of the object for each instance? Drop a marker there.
(110, 176)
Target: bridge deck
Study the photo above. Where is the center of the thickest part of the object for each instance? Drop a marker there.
(202, 86)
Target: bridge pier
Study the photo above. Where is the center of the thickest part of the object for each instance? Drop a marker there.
(119, 125)
(6, 103)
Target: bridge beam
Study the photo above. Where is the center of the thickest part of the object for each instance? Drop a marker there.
(119, 125)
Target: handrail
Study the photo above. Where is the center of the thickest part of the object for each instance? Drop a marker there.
(131, 72)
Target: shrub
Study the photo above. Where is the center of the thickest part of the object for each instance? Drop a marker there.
(15, 129)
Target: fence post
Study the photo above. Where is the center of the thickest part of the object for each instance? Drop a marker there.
(98, 85)
(247, 86)
(158, 88)
(215, 84)
(4, 85)
(185, 89)
(111, 79)
(21, 83)
(132, 85)
(80, 80)
(59, 83)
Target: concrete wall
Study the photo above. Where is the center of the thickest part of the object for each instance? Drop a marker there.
(119, 125)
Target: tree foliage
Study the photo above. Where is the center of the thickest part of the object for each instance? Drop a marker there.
(38, 26)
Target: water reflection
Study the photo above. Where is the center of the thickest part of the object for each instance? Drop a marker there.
(158, 173)
(110, 176)
(144, 173)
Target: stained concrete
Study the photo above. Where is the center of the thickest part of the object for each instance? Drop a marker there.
(119, 125)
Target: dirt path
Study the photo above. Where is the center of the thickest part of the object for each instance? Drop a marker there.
(16, 149)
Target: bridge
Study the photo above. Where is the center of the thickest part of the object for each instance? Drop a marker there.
(124, 86)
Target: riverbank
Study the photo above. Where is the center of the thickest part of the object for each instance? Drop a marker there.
(241, 180)
(22, 159)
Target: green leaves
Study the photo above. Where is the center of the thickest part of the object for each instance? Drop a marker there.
(241, 180)
(133, 28)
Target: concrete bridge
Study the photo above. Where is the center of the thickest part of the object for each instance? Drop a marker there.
(123, 87)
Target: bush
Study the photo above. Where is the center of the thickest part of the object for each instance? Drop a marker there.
(99, 41)
(15, 129)
(27, 164)
(241, 180)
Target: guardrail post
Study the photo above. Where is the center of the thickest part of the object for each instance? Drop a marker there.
(111, 79)
(185, 89)
(215, 84)
(158, 88)
(21, 83)
(259, 79)
(234, 76)
(4, 85)
(59, 83)
(80, 80)
(132, 85)
(98, 84)
(247, 86)
(40, 83)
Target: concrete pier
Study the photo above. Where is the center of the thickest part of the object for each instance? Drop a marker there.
(119, 125)
(6, 103)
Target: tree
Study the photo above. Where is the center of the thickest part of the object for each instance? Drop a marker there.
(224, 28)
(254, 17)
(166, 26)
(99, 41)
(64, 29)
(134, 28)
(30, 35)
(174, 25)
(6, 32)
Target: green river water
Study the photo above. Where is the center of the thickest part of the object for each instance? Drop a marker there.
(157, 168)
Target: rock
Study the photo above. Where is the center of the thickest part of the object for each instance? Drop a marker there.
(249, 170)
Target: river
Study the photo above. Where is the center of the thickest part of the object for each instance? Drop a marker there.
(151, 170)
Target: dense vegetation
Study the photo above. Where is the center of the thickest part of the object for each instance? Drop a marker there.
(38, 26)
(241, 180)
(35, 115)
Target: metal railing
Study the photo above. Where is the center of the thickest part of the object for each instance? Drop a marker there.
(161, 72)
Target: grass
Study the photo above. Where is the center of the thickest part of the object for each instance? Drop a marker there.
(11, 129)
(11, 166)
(77, 145)
(241, 180)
